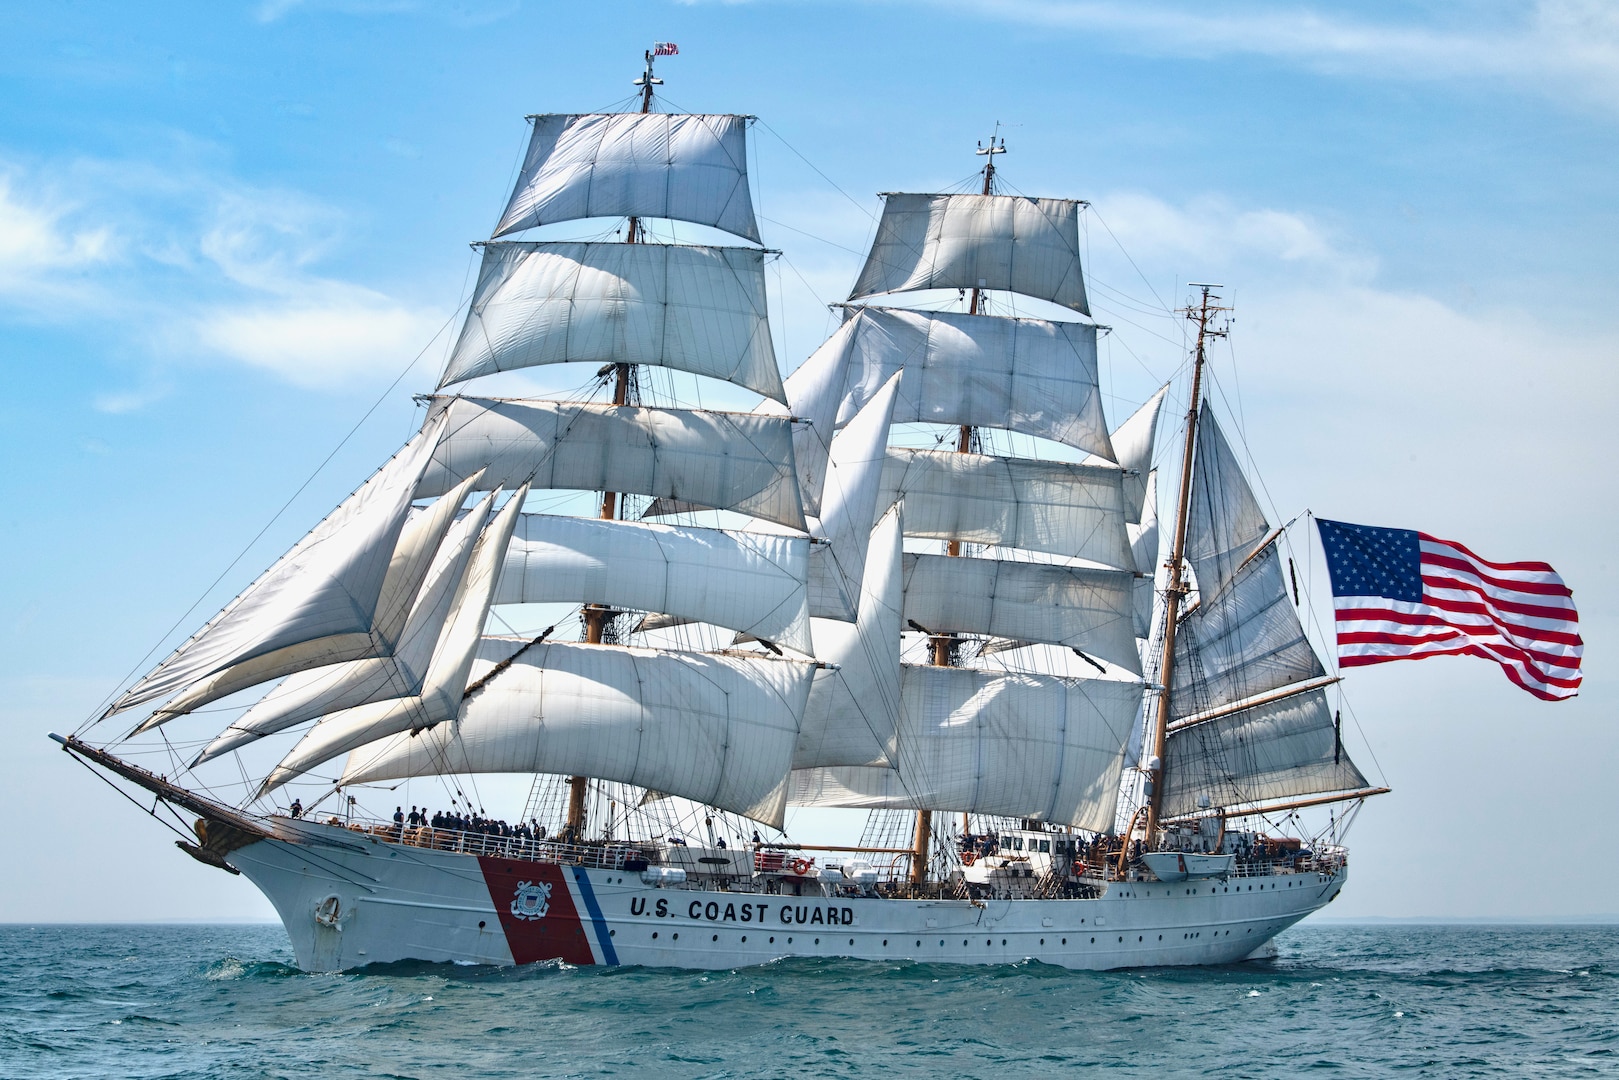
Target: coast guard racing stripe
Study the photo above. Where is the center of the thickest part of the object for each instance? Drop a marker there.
(538, 912)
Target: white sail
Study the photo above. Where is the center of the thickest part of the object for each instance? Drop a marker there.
(1277, 750)
(849, 507)
(696, 309)
(730, 461)
(1024, 375)
(717, 729)
(318, 604)
(1144, 547)
(1076, 511)
(746, 581)
(1132, 445)
(853, 707)
(1224, 524)
(1005, 242)
(447, 675)
(979, 742)
(309, 694)
(1080, 607)
(1247, 640)
(658, 165)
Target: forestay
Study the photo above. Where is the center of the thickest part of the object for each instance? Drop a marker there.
(1080, 607)
(1076, 511)
(658, 165)
(341, 593)
(730, 461)
(717, 729)
(696, 309)
(986, 743)
(1276, 750)
(853, 707)
(447, 673)
(746, 581)
(309, 694)
(1024, 375)
(1007, 242)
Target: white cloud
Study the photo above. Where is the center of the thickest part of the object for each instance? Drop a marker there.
(1564, 48)
(39, 252)
(347, 335)
(1213, 232)
(205, 269)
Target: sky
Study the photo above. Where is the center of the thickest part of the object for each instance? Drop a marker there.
(233, 243)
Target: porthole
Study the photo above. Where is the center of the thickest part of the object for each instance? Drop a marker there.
(1121, 939)
(817, 941)
(674, 937)
(1093, 941)
(941, 943)
(481, 924)
(789, 941)
(885, 943)
(987, 943)
(1139, 937)
(614, 933)
(851, 942)
(1003, 943)
(716, 937)
(654, 935)
(744, 939)
(772, 941)
(1042, 941)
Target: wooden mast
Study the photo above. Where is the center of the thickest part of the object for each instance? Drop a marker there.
(942, 642)
(595, 614)
(1177, 580)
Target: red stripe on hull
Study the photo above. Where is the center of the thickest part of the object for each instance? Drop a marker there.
(536, 911)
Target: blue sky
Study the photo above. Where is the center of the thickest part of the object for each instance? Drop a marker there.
(225, 230)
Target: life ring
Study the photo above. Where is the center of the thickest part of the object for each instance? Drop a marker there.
(968, 858)
(800, 867)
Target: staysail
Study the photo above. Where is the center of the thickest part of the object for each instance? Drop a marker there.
(341, 593)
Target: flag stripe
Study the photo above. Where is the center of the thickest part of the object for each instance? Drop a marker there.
(1403, 595)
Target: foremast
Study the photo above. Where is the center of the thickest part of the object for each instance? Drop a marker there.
(596, 615)
(1177, 586)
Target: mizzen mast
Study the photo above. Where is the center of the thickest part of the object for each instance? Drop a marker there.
(944, 643)
(1178, 588)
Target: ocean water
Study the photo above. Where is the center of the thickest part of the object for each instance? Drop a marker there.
(222, 1002)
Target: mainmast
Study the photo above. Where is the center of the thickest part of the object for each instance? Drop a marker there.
(1177, 581)
(596, 615)
(943, 643)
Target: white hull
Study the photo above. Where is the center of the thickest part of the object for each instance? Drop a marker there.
(395, 902)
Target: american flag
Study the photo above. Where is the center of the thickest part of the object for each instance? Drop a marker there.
(1399, 594)
(665, 48)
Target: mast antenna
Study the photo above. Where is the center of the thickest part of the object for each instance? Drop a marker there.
(1207, 309)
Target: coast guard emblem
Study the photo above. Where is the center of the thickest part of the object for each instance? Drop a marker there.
(532, 901)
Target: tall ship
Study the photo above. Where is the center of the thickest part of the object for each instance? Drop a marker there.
(917, 587)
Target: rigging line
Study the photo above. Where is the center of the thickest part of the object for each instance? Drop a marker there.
(1131, 260)
(855, 202)
(96, 718)
(1113, 312)
(812, 236)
